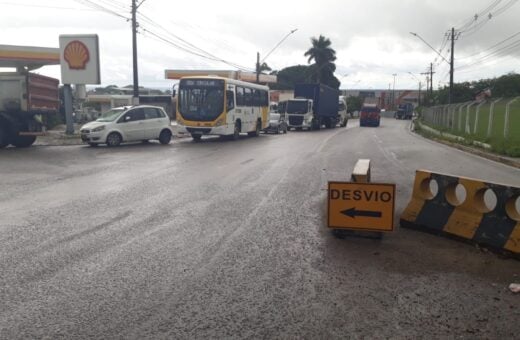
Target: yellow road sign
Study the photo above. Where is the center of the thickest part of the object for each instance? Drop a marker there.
(361, 206)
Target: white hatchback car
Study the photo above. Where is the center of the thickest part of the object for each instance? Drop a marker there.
(128, 124)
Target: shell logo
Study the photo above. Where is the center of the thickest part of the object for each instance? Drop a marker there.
(76, 55)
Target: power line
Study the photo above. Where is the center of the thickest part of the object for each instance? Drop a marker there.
(499, 52)
(491, 47)
(477, 16)
(97, 6)
(50, 7)
(476, 26)
(187, 46)
(168, 41)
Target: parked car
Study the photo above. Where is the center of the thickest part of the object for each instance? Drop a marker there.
(128, 124)
(277, 123)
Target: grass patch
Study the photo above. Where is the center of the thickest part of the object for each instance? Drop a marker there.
(472, 124)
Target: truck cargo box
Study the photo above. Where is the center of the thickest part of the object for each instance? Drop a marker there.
(30, 92)
(325, 98)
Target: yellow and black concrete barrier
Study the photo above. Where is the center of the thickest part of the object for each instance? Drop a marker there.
(480, 212)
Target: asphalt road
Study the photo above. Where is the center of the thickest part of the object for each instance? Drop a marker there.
(223, 239)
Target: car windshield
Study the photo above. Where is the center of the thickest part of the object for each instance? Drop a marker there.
(297, 106)
(110, 115)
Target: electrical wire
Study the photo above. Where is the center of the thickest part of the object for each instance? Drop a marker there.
(43, 6)
(99, 7)
(183, 45)
(477, 15)
(186, 45)
(172, 43)
(497, 53)
(476, 26)
(491, 47)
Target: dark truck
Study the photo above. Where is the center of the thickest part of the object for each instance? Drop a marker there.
(404, 111)
(314, 106)
(25, 101)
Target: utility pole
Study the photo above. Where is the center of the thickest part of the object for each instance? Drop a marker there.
(135, 99)
(419, 99)
(257, 67)
(431, 80)
(450, 95)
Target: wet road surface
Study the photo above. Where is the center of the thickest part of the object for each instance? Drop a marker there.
(223, 239)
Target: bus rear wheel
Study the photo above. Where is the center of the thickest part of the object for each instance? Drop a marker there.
(256, 133)
(236, 131)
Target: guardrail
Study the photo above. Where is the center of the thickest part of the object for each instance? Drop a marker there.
(476, 211)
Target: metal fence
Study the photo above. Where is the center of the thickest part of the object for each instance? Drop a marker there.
(493, 120)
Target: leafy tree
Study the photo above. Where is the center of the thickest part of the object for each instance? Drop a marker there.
(507, 85)
(322, 71)
(354, 103)
(290, 76)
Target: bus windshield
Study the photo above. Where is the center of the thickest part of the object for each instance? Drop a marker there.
(297, 106)
(201, 99)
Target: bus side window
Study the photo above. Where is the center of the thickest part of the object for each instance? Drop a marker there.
(265, 98)
(240, 96)
(230, 100)
(248, 97)
(257, 97)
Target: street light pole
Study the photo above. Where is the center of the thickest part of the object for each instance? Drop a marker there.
(420, 86)
(393, 92)
(269, 53)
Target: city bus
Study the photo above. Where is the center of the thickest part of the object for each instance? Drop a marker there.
(211, 105)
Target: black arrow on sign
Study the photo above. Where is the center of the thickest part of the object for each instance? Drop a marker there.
(352, 212)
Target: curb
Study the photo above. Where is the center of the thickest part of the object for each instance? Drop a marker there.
(478, 152)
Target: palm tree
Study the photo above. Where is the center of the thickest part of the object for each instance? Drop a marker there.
(264, 67)
(323, 56)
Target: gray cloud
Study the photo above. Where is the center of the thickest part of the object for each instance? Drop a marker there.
(371, 37)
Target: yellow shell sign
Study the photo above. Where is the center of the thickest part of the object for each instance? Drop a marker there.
(76, 54)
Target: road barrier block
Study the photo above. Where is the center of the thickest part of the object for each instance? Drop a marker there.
(360, 208)
(469, 219)
(361, 172)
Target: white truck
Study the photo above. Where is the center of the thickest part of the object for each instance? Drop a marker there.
(342, 111)
(26, 98)
(314, 106)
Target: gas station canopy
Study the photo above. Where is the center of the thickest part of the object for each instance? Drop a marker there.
(31, 57)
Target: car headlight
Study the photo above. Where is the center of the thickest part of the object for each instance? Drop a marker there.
(219, 122)
(99, 128)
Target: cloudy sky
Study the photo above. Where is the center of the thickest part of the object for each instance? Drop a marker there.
(371, 37)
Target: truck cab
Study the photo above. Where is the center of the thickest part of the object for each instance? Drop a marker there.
(404, 111)
(26, 99)
(342, 111)
(300, 113)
